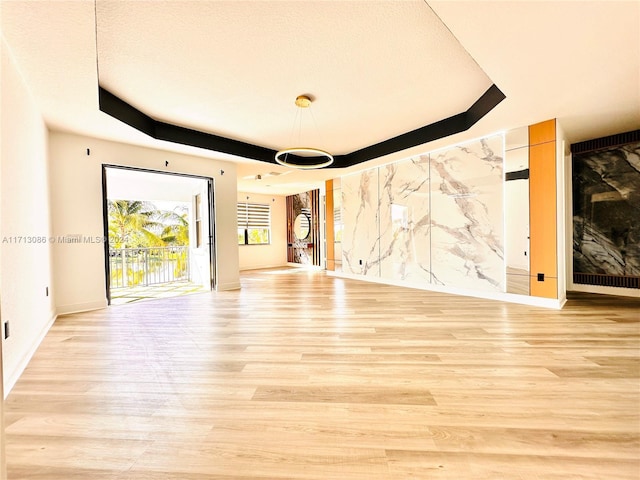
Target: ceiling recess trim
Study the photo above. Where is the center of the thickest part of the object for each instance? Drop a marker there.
(126, 113)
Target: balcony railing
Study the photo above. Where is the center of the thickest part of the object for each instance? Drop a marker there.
(148, 266)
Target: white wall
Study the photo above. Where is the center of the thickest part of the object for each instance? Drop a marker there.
(199, 255)
(25, 263)
(76, 206)
(274, 254)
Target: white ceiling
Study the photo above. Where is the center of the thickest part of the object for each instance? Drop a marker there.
(125, 184)
(376, 68)
(235, 68)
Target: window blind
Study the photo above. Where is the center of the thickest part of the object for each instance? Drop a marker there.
(254, 215)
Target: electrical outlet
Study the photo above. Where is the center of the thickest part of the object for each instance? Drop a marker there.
(360, 262)
(46, 291)
(6, 330)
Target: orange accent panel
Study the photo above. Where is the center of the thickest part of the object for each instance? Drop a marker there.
(329, 227)
(546, 289)
(542, 132)
(543, 213)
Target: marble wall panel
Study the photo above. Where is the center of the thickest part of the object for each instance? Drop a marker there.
(467, 237)
(606, 211)
(435, 218)
(405, 221)
(361, 230)
(305, 251)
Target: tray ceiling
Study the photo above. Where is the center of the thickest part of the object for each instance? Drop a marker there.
(376, 69)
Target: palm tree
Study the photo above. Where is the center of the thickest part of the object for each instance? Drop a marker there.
(176, 233)
(132, 224)
(138, 224)
(176, 227)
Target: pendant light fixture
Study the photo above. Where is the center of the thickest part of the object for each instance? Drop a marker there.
(303, 157)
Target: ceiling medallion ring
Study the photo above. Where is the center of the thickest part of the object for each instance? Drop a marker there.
(281, 157)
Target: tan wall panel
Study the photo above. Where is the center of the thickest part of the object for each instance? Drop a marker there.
(329, 227)
(546, 289)
(543, 209)
(543, 201)
(542, 132)
(315, 226)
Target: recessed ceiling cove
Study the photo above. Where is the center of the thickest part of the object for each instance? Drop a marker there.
(223, 75)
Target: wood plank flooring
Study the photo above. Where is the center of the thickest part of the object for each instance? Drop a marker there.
(300, 375)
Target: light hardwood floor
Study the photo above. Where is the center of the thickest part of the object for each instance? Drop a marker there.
(304, 376)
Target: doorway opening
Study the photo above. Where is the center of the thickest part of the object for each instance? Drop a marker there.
(160, 234)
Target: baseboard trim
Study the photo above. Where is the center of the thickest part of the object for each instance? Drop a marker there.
(551, 303)
(600, 290)
(301, 265)
(223, 287)
(11, 378)
(263, 267)
(81, 307)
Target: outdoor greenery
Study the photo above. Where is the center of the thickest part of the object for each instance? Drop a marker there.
(255, 236)
(140, 237)
(254, 223)
(134, 224)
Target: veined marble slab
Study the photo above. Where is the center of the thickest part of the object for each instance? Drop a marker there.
(435, 218)
(361, 230)
(606, 206)
(405, 221)
(467, 232)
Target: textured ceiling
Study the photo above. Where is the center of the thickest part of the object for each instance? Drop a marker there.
(377, 69)
(235, 68)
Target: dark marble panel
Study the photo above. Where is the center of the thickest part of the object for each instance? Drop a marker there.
(606, 211)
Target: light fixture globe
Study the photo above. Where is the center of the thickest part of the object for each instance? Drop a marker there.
(305, 158)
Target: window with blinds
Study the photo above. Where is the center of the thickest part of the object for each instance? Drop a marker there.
(254, 224)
